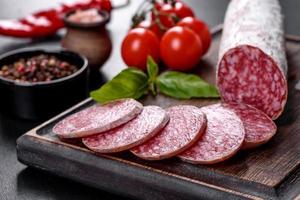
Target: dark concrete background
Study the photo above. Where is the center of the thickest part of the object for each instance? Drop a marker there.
(19, 182)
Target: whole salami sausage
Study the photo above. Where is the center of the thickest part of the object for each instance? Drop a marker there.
(186, 126)
(252, 63)
(98, 118)
(223, 137)
(146, 125)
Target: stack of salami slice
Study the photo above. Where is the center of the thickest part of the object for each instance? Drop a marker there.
(252, 84)
(198, 135)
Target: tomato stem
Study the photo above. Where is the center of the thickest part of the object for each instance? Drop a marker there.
(156, 14)
(140, 15)
(148, 6)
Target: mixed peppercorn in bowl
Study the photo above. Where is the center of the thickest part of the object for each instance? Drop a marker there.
(37, 83)
(37, 68)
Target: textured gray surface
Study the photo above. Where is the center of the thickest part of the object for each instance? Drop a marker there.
(19, 182)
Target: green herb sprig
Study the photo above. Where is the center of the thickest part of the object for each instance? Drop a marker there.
(134, 83)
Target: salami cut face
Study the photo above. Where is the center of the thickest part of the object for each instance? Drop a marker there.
(223, 137)
(186, 125)
(252, 63)
(146, 125)
(259, 128)
(98, 118)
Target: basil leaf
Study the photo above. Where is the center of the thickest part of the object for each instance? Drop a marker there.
(185, 86)
(152, 70)
(129, 83)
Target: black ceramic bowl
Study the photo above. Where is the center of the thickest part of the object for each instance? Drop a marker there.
(41, 100)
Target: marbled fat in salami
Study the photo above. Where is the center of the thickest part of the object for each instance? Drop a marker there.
(146, 125)
(186, 125)
(259, 128)
(252, 63)
(98, 118)
(223, 137)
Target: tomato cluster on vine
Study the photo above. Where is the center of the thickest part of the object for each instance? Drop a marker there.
(169, 32)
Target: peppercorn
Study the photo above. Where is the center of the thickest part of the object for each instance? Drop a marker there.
(37, 69)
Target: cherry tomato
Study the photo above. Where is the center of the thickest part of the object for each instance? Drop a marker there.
(200, 28)
(165, 16)
(157, 6)
(180, 48)
(182, 10)
(152, 26)
(179, 10)
(137, 45)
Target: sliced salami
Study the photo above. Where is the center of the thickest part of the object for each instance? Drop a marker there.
(146, 125)
(259, 128)
(186, 125)
(98, 118)
(223, 137)
(252, 63)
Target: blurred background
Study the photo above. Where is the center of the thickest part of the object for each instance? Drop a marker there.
(19, 182)
(210, 11)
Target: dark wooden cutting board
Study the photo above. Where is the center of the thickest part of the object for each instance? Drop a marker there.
(269, 172)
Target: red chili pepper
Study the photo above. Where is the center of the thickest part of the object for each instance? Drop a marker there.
(47, 22)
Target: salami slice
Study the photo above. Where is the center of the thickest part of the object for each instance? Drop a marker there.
(146, 125)
(223, 137)
(252, 63)
(259, 128)
(186, 125)
(98, 118)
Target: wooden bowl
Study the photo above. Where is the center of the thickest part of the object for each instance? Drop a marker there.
(89, 39)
